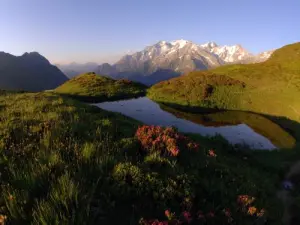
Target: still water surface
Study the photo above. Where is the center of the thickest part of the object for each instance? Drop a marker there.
(237, 127)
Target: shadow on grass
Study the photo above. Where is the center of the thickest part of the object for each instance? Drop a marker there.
(102, 98)
(2, 107)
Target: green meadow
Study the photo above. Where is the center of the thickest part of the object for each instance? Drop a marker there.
(65, 162)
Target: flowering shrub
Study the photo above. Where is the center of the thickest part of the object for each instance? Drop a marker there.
(200, 217)
(155, 222)
(169, 215)
(246, 207)
(165, 140)
(2, 219)
(186, 217)
(246, 204)
(245, 200)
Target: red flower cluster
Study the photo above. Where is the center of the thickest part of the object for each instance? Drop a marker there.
(169, 215)
(200, 217)
(246, 201)
(165, 140)
(187, 216)
(158, 222)
(154, 222)
(184, 218)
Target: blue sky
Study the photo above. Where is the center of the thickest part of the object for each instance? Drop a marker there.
(103, 30)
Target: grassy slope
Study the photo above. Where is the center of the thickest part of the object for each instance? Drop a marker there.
(92, 87)
(63, 162)
(272, 87)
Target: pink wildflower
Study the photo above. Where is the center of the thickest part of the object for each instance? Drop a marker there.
(187, 216)
(175, 151)
(211, 153)
(168, 214)
(227, 212)
(200, 215)
(210, 214)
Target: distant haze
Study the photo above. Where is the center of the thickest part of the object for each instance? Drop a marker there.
(103, 31)
(93, 59)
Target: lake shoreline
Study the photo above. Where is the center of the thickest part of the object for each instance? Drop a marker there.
(145, 110)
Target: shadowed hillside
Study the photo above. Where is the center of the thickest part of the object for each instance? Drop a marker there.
(29, 72)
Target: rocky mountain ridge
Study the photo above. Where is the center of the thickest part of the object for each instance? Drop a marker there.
(165, 60)
(28, 72)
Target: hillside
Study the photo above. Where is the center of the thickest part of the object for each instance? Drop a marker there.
(29, 72)
(96, 88)
(63, 161)
(271, 87)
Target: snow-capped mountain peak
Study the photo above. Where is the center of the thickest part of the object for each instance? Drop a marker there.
(209, 45)
(168, 59)
(231, 53)
(180, 43)
(261, 57)
(265, 55)
(178, 55)
(160, 43)
(182, 56)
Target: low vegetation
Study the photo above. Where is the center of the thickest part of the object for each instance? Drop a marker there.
(91, 87)
(64, 162)
(271, 87)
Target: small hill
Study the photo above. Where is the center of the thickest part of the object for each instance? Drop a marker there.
(271, 87)
(96, 88)
(29, 72)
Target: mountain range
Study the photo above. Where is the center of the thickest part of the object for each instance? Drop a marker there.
(74, 68)
(165, 60)
(29, 72)
(161, 61)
